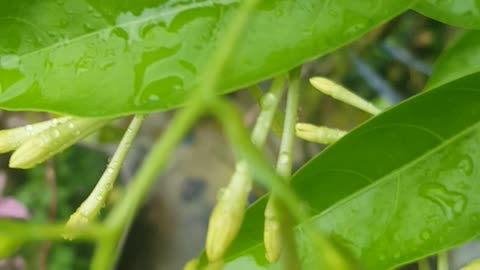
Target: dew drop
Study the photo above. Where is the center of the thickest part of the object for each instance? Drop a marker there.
(10, 62)
(56, 133)
(84, 65)
(29, 128)
(333, 12)
(88, 28)
(466, 165)
(425, 234)
(106, 65)
(71, 125)
(452, 203)
(108, 186)
(153, 98)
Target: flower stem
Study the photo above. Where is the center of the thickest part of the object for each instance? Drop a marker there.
(156, 160)
(442, 261)
(89, 209)
(273, 233)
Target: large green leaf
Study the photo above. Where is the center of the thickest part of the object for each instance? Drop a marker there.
(460, 59)
(400, 187)
(462, 13)
(111, 57)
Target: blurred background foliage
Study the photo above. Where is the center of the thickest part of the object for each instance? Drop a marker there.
(387, 65)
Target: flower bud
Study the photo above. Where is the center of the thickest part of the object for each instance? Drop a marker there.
(272, 235)
(340, 93)
(52, 141)
(11, 139)
(227, 216)
(323, 135)
(475, 265)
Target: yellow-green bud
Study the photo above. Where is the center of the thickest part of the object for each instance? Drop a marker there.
(272, 236)
(323, 135)
(475, 265)
(52, 141)
(11, 139)
(227, 216)
(340, 93)
(191, 265)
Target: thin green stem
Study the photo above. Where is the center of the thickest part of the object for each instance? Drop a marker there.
(25, 232)
(156, 160)
(285, 157)
(273, 231)
(265, 103)
(442, 261)
(154, 163)
(269, 105)
(89, 209)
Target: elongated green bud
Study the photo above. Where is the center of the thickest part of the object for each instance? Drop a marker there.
(272, 237)
(340, 93)
(227, 217)
(90, 208)
(316, 134)
(53, 140)
(11, 139)
(475, 265)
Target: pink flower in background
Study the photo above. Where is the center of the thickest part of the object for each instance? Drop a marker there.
(9, 206)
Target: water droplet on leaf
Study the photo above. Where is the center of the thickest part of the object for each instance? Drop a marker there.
(452, 203)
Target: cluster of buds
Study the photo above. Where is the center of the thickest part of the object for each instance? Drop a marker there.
(34, 144)
(228, 215)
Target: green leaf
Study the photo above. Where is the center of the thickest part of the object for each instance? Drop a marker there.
(459, 60)
(400, 187)
(110, 57)
(461, 13)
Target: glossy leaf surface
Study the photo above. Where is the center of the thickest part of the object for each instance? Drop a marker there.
(109, 57)
(460, 59)
(461, 13)
(400, 187)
